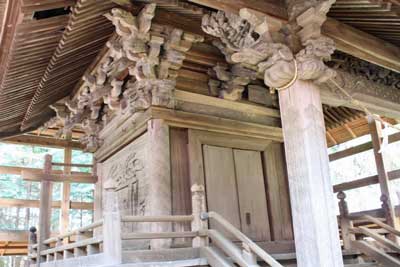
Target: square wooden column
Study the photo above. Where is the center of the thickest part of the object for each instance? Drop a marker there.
(375, 128)
(159, 178)
(46, 188)
(311, 193)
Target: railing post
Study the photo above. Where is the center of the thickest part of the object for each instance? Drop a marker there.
(45, 208)
(249, 257)
(32, 241)
(198, 207)
(345, 222)
(59, 255)
(80, 251)
(112, 243)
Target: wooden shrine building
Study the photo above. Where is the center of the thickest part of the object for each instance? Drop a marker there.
(209, 122)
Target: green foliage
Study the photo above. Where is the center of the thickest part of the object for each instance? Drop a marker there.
(13, 187)
(27, 156)
(80, 157)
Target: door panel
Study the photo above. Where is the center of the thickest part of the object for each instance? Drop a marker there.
(220, 181)
(251, 193)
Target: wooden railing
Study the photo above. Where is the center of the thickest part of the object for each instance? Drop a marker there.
(247, 255)
(111, 244)
(158, 219)
(369, 235)
(60, 247)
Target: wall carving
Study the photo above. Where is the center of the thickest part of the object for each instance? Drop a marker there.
(139, 71)
(126, 171)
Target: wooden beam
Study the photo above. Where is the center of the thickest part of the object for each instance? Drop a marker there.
(34, 174)
(362, 45)
(27, 203)
(215, 124)
(13, 251)
(374, 179)
(274, 8)
(43, 141)
(360, 148)
(37, 176)
(14, 236)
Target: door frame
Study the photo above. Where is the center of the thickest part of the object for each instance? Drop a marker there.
(198, 138)
(274, 163)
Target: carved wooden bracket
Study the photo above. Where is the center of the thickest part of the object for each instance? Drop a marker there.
(279, 53)
(138, 71)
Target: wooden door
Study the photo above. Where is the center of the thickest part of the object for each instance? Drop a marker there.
(252, 196)
(222, 196)
(235, 189)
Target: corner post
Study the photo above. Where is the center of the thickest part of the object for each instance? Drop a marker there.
(311, 194)
(198, 208)
(112, 243)
(159, 178)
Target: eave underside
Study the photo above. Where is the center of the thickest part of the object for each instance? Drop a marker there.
(46, 62)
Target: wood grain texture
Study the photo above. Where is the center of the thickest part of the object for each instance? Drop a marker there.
(180, 178)
(278, 192)
(159, 177)
(387, 203)
(221, 188)
(311, 194)
(252, 197)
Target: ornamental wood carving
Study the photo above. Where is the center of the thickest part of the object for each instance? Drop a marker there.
(279, 53)
(139, 71)
(367, 70)
(126, 172)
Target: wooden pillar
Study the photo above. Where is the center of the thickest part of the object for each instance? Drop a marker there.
(46, 189)
(66, 193)
(159, 177)
(98, 195)
(198, 207)
(375, 128)
(311, 194)
(112, 244)
(345, 223)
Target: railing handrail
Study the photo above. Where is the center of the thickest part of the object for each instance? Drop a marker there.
(74, 232)
(163, 218)
(243, 238)
(72, 165)
(381, 224)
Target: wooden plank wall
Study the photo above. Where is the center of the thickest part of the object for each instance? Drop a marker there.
(278, 193)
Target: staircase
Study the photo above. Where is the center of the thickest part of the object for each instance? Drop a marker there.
(219, 251)
(376, 239)
(208, 247)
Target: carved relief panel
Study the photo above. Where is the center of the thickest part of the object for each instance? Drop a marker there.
(126, 170)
